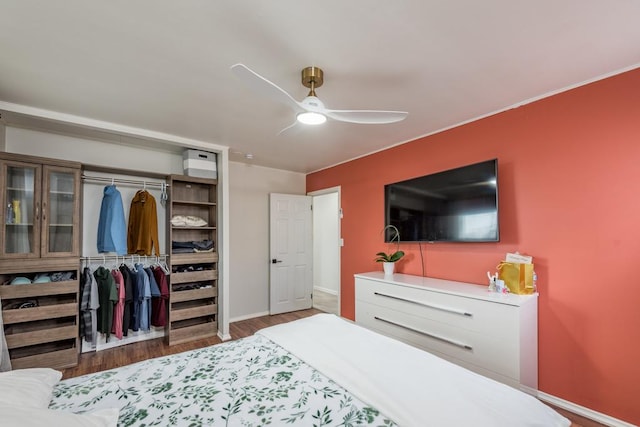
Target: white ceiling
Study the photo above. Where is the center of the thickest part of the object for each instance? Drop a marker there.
(163, 66)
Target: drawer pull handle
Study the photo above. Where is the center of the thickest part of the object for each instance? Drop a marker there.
(427, 334)
(436, 307)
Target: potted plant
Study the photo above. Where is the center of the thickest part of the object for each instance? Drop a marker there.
(388, 260)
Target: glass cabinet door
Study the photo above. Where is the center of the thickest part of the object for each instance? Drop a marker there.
(21, 210)
(60, 200)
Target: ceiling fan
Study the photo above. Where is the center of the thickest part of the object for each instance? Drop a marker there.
(311, 110)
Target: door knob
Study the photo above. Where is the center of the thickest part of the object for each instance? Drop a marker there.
(274, 261)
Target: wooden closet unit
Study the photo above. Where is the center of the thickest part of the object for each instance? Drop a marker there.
(40, 239)
(193, 311)
(45, 335)
(40, 214)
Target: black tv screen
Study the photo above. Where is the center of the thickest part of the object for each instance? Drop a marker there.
(456, 205)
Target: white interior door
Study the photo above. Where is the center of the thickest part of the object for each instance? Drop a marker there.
(291, 252)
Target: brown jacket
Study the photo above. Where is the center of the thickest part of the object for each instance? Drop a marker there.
(142, 235)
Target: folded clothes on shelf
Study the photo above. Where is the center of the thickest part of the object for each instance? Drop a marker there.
(189, 268)
(21, 304)
(191, 286)
(190, 247)
(182, 251)
(187, 221)
(62, 276)
(59, 276)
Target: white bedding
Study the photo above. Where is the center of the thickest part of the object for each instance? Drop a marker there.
(248, 382)
(321, 370)
(410, 386)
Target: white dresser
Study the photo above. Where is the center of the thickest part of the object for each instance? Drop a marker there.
(495, 335)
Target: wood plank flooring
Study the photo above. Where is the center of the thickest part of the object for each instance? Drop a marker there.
(136, 352)
(326, 302)
(131, 353)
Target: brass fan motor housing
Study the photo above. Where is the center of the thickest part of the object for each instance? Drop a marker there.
(312, 77)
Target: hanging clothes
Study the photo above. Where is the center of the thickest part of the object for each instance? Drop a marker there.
(108, 295)
(118, 310)
(137, 289)
(89, 304)
(128, 299)
(143, 301)
(159, 305)
(112, 231)
(142, 234)
(155, 290)
(178, 247)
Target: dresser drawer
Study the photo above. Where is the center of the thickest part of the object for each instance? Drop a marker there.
(467, 313)
(495, 335)
(495, 352)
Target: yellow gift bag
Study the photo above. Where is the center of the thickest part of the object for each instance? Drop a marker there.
(517, 277)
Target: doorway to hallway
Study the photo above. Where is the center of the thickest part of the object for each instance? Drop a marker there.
(326, 249)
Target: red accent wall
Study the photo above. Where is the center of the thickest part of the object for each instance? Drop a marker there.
(569, 195)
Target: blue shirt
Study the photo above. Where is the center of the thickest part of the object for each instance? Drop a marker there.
(144, 298)
(112, 230)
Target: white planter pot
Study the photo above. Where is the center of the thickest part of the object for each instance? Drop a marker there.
(388, 268)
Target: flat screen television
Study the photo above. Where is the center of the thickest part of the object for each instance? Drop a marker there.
(456, 205)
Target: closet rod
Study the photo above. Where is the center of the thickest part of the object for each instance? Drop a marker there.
(125, 257)
(124, 181)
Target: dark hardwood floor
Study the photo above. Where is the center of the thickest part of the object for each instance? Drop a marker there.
(136, 352)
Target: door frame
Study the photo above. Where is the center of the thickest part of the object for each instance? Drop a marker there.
(338, 190)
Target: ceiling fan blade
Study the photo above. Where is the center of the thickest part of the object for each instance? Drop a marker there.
(287, 128)
(366, 116)
(263, 86)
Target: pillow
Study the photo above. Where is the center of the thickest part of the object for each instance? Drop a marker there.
(29, 388)
(30, 417)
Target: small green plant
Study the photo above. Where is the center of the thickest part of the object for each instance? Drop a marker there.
(391, 256)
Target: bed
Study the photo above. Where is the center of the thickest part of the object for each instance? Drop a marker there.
(317, 371)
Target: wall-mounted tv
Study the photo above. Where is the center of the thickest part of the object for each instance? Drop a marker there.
(456, 205)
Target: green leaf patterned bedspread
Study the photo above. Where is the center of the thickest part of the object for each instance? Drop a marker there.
(248, 382)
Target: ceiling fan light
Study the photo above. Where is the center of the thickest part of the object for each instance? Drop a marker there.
(311, 118)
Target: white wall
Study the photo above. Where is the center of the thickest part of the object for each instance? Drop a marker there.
(249, 188)
(326, 248)
(2, 137)
(35, 143)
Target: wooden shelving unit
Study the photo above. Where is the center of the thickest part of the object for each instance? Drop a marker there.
(44, 238)
(45, 335)
(193, 310)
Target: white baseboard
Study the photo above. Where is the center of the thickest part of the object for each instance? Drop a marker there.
(582, 411)
(224, 337)
(248, 316)
(327, 290)
(133, 336)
